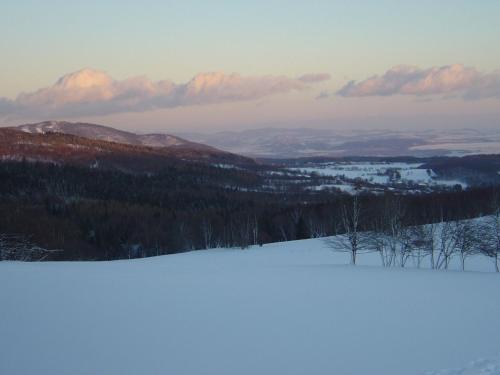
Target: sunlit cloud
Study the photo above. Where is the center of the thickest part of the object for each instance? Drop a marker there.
(409, 80)
(90, 92)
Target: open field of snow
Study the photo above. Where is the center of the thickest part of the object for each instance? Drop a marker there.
(286, 308)
(379, 172)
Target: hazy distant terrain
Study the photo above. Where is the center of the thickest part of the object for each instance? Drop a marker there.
(92, 144)
(374, 168)
(300, 142)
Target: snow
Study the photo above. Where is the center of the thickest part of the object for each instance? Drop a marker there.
(343, 187)
(225, 166)
(377, 172)
(285, 308)
(483, 366)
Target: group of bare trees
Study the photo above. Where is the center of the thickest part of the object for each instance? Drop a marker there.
(14, 247)
(398, 243)
(490, 238)
(240, 232)
(97, 214)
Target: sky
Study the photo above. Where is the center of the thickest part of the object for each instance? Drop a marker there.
(231, 65)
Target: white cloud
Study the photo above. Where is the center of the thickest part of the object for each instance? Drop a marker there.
(92, 92)
(410, 80)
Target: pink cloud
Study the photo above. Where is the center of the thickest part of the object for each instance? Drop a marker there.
(90, 92)
(410, 80)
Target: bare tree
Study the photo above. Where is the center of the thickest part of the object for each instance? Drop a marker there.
(207, 233)
(378, 241)
(283, 232)
(446, 244)
(254, 224)
(405, 245)
(351, 240)
(393, 216)
(465, 233)
(245, 232)
(317, 228)
(184, 236)
(429, 237)
(489, 243)
(422, 244)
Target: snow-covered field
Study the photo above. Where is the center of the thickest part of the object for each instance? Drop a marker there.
(377, 172)
(286, 308)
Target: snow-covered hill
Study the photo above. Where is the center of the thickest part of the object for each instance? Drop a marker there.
(286, 308)
(88, 144)
(106, 133)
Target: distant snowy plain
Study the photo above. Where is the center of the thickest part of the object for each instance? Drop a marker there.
(286, 308)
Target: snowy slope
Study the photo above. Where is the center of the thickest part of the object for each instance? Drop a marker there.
(286, 308)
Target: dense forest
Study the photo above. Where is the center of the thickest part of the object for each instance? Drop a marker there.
(57, 212)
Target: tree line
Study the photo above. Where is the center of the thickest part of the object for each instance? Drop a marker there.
(75, 213)
(398, 240)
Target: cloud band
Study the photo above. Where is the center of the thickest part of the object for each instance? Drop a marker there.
(409, 80)
(90, 92)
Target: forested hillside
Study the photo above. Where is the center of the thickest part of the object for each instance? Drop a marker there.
(84, 213)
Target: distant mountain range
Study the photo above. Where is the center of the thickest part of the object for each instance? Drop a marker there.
(85, 143)
(306, 142)
(105, 147)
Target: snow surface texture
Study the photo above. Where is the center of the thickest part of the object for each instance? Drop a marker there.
(477, 367)
(286, 308)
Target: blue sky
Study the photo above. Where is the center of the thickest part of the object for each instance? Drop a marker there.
(350, 40)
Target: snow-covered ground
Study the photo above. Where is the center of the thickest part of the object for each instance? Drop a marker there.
(286, 308)
(377, 172)
(481, 366)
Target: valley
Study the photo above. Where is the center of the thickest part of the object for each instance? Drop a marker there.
(249, 187)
